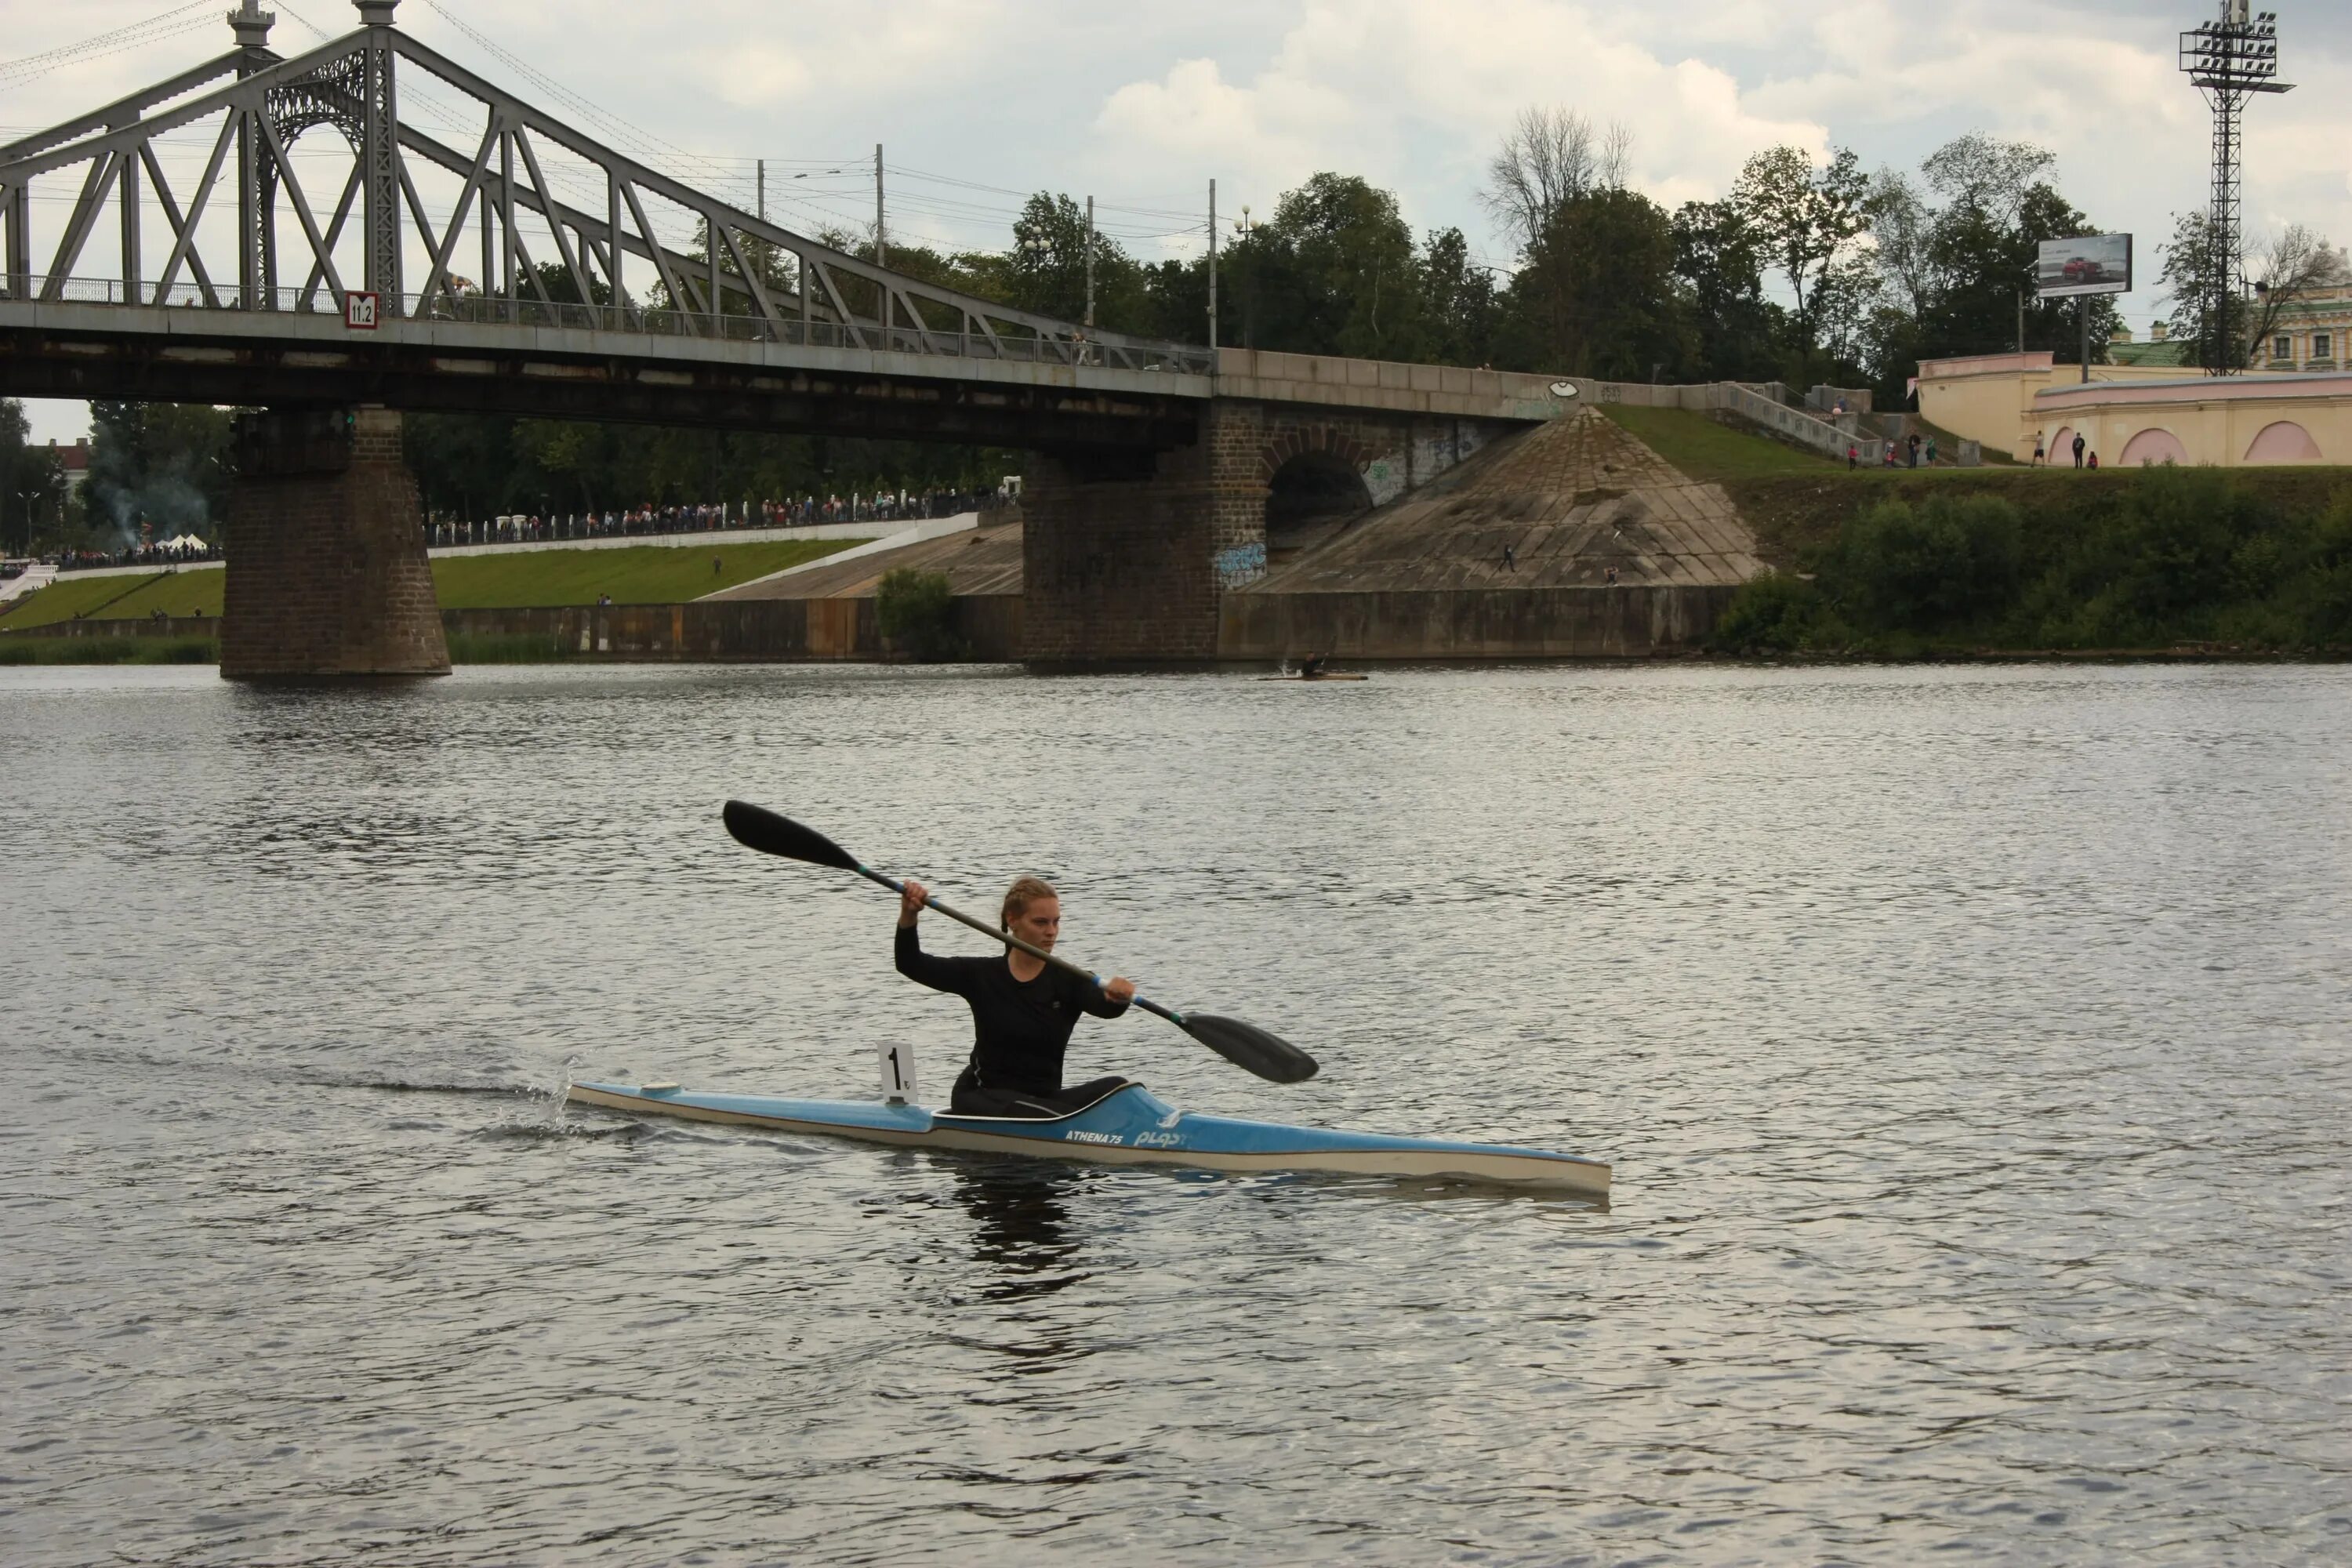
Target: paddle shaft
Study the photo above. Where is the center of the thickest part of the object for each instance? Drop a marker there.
(1009, 940)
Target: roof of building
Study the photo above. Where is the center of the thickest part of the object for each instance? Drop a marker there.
(2169, 350)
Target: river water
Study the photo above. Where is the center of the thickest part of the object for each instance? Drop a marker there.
(1971, 1045)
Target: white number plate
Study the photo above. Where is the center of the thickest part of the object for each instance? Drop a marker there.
(898, 1064)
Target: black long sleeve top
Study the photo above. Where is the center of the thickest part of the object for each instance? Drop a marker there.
(1019, 1027)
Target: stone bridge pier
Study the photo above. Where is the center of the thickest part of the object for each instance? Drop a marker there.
(327, 571)
(1127, 558)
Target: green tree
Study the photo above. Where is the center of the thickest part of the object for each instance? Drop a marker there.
(1463, 311)
(32, 484)
(1337, 273)
(1734, 332)
(1597, 295)
(1806, 221)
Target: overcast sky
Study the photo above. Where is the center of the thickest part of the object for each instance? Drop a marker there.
(1142, 105)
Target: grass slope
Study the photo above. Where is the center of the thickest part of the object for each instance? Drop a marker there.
(638, 574)
(1710, 452)
(118, 599)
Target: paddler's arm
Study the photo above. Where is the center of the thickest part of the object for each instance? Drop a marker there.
(1110, 999)
(922, 968)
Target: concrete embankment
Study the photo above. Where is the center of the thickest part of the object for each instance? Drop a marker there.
(1572, 540)
(752, 632)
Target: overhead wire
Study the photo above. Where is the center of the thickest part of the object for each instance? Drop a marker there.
(163, 25)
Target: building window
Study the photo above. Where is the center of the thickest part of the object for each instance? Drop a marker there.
(2282, 348)
(2321, 346)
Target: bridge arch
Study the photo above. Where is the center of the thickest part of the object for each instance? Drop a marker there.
(1312, 477)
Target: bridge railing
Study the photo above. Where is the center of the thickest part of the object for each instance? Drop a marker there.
(1002, 346)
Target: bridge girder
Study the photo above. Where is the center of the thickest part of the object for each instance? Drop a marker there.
(755, 278)
(557, 374)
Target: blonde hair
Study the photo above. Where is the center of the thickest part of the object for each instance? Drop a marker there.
(1019, 896)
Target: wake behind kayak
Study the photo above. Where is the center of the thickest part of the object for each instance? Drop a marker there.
(1129, 1126)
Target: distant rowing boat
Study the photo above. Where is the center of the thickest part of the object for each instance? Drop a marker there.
(1314, 678)
(1129, 1126)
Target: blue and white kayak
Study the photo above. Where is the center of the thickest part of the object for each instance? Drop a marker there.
(1129, 1126)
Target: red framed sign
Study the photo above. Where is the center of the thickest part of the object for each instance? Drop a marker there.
(360, 311)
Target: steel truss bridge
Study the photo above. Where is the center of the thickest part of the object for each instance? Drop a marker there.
(173, 275)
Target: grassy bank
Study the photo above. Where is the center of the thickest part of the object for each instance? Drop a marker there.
(1919, 564)
(123, 598)
(109, 650)
(1711, 451)
(637, 575)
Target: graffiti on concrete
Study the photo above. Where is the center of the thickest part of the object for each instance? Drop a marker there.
(1383, 479)
(1241, 565)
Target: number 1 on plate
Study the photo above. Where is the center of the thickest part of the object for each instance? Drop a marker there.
(897, 1063)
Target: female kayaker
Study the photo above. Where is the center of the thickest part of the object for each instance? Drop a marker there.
(1022, 1009)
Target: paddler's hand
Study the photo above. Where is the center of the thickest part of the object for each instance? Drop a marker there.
(911, 898)
(1120, 990)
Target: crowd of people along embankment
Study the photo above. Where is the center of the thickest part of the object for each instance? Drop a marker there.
(712, 517)
(2142, 559)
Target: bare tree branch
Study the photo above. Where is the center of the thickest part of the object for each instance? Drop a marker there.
(1548, 158)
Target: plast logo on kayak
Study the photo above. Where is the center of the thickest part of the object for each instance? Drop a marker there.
(1094, 1137)
(1160, 1140)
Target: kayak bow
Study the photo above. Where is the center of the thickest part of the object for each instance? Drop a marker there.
(1129, 1126)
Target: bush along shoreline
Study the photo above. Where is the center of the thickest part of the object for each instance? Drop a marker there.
(2177, 560)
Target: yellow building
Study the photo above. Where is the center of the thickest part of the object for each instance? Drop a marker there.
(2313, 330)
(2134, 414)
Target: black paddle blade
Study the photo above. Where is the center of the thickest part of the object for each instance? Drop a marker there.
(1251, 1048)
(757, 827)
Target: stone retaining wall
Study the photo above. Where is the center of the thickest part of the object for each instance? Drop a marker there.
(737, 630)
(1628, 621)
(1623, 622)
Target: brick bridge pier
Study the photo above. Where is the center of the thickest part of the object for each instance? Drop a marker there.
(326, 573)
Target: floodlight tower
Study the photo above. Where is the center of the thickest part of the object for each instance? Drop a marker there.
(2229, 60)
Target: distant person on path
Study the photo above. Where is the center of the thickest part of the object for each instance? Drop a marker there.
(2041, 454)
(1853, 455)
(1511, 559)
(2093, 461)
(714, 566)
(1912, 441)
(2079, 445)
(1931, 451)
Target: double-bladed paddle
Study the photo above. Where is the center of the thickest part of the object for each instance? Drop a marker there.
(1244, 1044)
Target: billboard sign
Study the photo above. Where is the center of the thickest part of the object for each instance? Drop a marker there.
(2088, 264)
